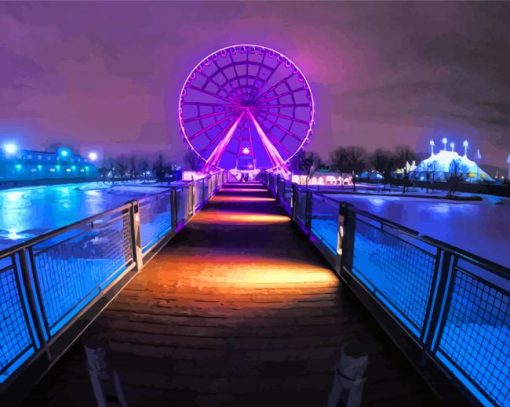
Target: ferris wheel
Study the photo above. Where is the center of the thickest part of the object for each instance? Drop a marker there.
(246, 107)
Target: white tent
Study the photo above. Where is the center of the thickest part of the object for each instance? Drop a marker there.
(445, 162)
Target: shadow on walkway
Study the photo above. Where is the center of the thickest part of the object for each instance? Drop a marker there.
(237, 310)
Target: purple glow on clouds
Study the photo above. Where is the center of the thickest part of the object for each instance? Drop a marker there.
(106, 76)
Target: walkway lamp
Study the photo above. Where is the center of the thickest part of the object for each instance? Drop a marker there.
(432, 144)
(465, 144)
(452, 145)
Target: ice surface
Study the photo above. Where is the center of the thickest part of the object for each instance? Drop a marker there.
(481, 228)
(32, 211)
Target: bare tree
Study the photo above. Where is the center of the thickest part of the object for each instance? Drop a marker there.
(379, 160)
(349, 159)
(159, 168)
(133, 167)
(145, 168)
(404, 154)
(192, 161)
(456, 175)
(305, 160)
(122, 165)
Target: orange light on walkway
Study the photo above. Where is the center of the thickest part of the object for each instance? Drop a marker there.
(244, 190)
(230, 198)
(229, 272)
(238, 218)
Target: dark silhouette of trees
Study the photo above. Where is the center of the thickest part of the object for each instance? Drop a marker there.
(349, 159)
(145, 168)
(380, 159)
(455, 177)
(133, 167)
(304, 161)
(159, 168)
(192, 161)
(404, 154)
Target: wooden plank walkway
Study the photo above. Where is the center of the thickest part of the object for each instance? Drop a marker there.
(237, 310)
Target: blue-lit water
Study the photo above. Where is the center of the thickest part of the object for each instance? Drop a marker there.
(32, 211)
(481, 228)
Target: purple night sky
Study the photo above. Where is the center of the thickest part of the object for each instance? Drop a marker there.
(107, 75)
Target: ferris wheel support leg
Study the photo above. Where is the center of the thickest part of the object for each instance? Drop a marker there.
(215, 156)
(271, 150)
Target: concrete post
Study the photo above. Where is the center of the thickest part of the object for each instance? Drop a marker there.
(104, 379)
(350, 376)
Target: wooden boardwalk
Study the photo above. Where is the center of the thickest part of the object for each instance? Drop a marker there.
(237, 310)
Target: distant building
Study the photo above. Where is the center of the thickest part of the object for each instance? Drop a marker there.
(21, 165)
(440, 165)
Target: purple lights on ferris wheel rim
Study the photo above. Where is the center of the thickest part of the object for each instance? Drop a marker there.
(246, 102)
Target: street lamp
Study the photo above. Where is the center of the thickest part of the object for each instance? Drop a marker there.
(452, 145)
(432, 144)
(10, 148)
(465, 144)
(445, 140)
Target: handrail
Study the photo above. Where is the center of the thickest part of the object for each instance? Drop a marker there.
(45, 236)
(51, 318)
(442, 299)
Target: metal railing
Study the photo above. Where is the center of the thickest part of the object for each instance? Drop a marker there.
(453, 306)
(53, 286)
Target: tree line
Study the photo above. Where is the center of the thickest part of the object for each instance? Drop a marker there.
(144, 167)
(356, 159)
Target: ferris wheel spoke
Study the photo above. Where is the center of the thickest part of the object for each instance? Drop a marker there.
(207, 128)
(205, 92)
(274, 140)
(284, 116)
(260, 96)
(290, 92)
(280, 105)
(208, 115)
(210, 104)
(215, 156)
(266, 81)
(287, 131)
(272, 152)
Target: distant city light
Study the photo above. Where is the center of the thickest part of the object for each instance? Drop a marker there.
(13, 234)
(39, 167)
(18, 166)
(73, 167)
(64, 152)
(10, 148)
(246, 150)
(92, 156)
(57, 167)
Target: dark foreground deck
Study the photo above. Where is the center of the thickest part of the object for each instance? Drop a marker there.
(237, 310)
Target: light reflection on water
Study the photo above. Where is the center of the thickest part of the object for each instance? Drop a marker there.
(28, 212)
(477, 227)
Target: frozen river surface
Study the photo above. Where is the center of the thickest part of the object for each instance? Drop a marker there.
(32, 211)
(481, 228)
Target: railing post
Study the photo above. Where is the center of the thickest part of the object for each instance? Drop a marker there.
(295, 201)
(348, 236)
(173, 208)
(31, 289)
(438, 301)
(136, 241)
(308, 211)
